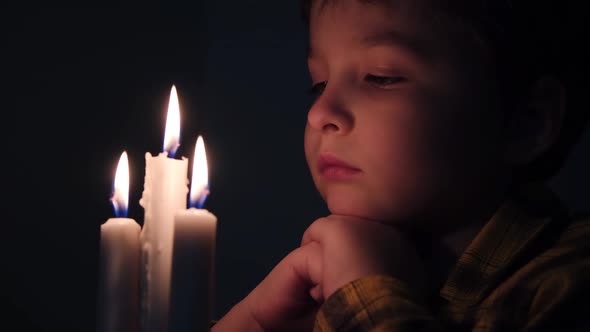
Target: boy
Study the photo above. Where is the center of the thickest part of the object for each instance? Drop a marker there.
(429, 139)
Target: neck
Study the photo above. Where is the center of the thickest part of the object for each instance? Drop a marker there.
(443, 248)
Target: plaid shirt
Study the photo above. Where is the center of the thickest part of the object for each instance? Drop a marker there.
(528, 269)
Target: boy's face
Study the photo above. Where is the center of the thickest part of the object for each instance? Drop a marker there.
(409, 107)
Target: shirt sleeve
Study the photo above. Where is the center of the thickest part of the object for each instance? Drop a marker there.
(560, 302)
(374, 303)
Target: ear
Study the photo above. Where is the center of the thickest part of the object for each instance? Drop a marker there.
(534, 127)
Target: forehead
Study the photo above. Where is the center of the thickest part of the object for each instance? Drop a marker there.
(426, 28)
(368, 23)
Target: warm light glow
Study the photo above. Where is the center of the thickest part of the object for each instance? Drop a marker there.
(172, 133)
(120, 198)
(200, 177)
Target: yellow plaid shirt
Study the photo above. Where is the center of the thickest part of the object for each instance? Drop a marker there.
(528, 269)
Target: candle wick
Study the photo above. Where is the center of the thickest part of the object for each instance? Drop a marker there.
(199, 201)
(120, 212)
(171, 150)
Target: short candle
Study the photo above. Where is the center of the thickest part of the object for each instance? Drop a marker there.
(118, 297)
(194, 255)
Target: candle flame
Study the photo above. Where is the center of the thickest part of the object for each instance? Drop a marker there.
(120, 198)
(200, 176)
(172, 133)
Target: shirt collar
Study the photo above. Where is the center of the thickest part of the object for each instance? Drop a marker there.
(517, 231)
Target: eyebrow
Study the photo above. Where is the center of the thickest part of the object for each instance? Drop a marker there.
(395, 39)
(388, 38)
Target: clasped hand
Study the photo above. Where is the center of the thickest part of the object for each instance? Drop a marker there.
(334, 251)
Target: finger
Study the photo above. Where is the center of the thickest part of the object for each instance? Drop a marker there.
(297, 273)
(285, 292)
(307, 263)
(315, 231)
(317, 293)
(314, 270)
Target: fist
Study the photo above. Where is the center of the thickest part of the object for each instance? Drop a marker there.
(334, 251)
(284, 300)
(350, 248)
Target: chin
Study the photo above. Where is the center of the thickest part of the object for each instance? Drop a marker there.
(363, 205)
(336, 207)
(349, 204)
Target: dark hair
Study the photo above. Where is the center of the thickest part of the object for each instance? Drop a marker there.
(529, 39)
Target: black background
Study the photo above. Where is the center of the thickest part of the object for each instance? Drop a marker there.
(80, 86)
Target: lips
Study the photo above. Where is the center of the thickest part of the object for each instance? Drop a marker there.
(332, 168)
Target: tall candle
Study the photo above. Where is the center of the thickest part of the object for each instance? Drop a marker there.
(193, 255)
(118, 297)
(165, 190)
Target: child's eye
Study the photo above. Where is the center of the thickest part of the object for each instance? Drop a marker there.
(383, 81)
(317, 89)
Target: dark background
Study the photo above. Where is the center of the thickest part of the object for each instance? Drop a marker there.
(79, 86)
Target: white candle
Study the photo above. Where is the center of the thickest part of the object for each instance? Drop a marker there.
(194, 255)
(118, 297)
(165, 190)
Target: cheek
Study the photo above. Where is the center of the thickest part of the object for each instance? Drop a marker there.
(401, 141)
(466, 143)
(437, 157)
(444, 133)
(309, 144)
(415, 153)
(394, 149)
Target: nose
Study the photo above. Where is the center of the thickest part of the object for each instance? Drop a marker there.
(330, 114)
